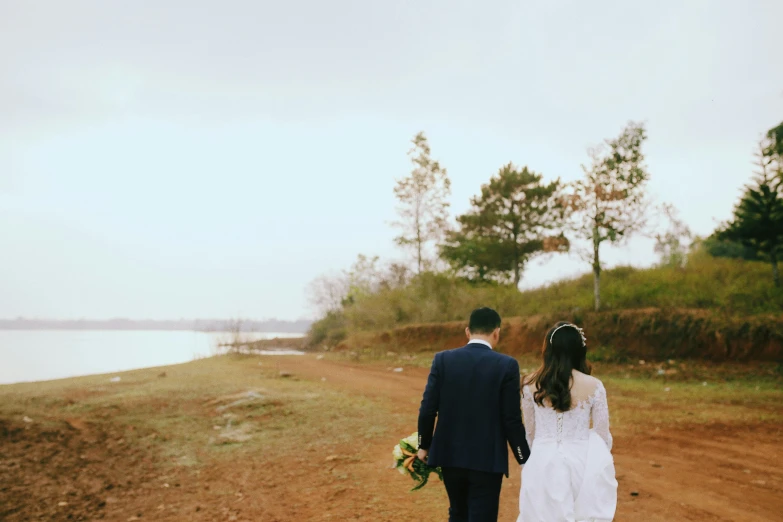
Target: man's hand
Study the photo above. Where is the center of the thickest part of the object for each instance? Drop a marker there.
(422, 455)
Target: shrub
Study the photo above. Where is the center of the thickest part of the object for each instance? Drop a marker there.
(726, 287)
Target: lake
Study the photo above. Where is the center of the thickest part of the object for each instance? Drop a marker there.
(27, 355)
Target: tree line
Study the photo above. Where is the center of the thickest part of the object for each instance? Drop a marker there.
(518, 216)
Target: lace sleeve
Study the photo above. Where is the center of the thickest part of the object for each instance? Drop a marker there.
(600, 414)
(529, 411)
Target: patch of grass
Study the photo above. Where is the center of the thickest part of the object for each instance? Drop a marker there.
(725, 287)
(605, 354)
(732, 286)
(382, 357)
(636, 404)
(183, 416)
(656, 394)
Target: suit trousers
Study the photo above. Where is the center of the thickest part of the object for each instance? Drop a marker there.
(474, 496)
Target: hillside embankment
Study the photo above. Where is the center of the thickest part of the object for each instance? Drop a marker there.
(653, 334)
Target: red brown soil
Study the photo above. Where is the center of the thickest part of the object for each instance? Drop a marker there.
(691, 473)
(648, 333)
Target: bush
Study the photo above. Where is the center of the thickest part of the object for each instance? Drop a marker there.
(727, 287)
(328, 331)
(728, 249)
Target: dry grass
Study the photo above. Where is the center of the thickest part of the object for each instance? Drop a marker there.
(644, 394)
(221, 406)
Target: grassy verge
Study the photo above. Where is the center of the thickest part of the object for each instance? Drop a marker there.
(644, 394)
(212, 403)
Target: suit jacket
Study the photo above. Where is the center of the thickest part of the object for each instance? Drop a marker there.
(474, 393)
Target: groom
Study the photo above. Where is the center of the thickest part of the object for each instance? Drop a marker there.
(474, 393)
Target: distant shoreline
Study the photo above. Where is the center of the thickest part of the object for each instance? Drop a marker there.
(146, 330)
(199, 325)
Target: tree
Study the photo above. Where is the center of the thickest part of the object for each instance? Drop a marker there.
(717, 247)
(332, 292)
(327, 292)
(363, 278)
(758, 217)
(610, 203)
(772, 148)
(672, 245)
(471, 251)
(423, 208)
(397, 275)
(511, 221)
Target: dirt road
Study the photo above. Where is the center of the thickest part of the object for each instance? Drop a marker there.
(716, 472)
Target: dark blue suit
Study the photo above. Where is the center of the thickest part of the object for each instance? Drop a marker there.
(474, 393)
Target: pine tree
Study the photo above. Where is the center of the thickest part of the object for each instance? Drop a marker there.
(512, 221)
(758, 217)
(772, 146)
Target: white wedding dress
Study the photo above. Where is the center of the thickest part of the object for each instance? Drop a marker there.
(570, 474)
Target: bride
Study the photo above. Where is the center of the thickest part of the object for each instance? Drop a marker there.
(570, 474)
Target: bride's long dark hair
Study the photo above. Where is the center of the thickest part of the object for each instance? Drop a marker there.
(564, 350)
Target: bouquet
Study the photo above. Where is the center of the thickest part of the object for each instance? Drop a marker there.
(406, 462)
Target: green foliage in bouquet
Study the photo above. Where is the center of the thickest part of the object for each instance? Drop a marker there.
(406, 462)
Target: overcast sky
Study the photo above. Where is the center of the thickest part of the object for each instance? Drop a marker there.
(169, 159)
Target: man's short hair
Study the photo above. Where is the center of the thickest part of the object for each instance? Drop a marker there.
(483, 321)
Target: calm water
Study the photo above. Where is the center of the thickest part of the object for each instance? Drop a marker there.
(40, 355)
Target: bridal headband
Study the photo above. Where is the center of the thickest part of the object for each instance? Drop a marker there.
(575, 327)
